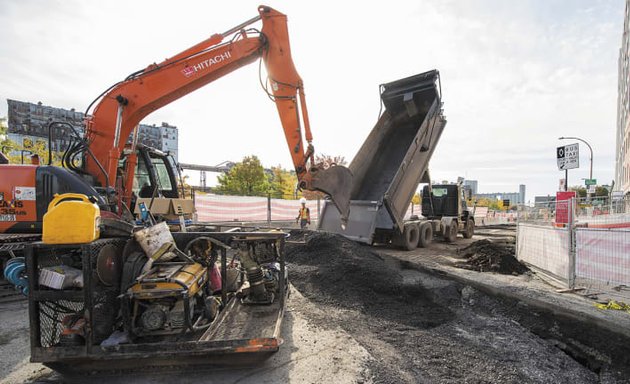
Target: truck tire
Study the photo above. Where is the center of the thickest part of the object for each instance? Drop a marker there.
(469, 231)
(450, 234)
(411, 237)
(426, 235)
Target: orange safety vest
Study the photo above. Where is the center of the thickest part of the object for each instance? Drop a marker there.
(304, 214)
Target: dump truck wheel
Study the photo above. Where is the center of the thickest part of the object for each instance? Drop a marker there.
(426, 235)
(451, 232)
(469, 231)
(411, 237)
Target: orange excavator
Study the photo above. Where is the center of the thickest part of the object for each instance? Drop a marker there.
(102, 164)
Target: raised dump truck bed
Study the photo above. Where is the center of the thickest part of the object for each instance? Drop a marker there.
(241, 332)
(392, 161)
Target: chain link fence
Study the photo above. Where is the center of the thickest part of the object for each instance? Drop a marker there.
(579, 243)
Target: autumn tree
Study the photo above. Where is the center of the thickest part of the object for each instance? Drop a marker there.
(416, 199)
(6, 145)
(490, 203)
(246, 178)
(282, 183)
(329, 161)
(325, 161)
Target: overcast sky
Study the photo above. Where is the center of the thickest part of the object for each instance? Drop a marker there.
(516, 75)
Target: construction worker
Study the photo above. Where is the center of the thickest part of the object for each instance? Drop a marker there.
(304, 215)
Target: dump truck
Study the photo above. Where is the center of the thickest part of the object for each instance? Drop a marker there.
(391, 164)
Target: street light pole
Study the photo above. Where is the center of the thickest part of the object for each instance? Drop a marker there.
(590, 175)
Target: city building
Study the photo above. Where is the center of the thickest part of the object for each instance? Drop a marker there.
(28, 126)
(622, 153)
(471, 185)
(514, 197)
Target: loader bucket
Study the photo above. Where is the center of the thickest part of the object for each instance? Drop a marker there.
(336, 182)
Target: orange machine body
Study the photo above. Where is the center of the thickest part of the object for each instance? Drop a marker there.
(110, 173)
(18, 209)
(125, 105)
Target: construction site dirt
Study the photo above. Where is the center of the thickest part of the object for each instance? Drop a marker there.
(360, 314)
(489, 256)
(421, 327)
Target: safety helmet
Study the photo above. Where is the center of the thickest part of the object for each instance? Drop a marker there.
(302, 201)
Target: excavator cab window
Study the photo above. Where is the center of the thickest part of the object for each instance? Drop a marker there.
(142, 179)
(162, 174)
(154, 170)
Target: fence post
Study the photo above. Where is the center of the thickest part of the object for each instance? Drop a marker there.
(571, 235)
(269, 210)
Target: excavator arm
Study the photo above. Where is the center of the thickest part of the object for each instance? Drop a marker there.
(124, 105)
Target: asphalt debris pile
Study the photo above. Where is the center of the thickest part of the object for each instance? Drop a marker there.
(299, 235)
(487, 256)
(332, 270)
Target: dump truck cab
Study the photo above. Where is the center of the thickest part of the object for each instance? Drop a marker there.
(446, 204)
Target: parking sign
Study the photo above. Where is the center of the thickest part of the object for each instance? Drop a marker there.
(568, 156)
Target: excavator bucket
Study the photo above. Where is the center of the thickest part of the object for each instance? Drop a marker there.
(336, 182)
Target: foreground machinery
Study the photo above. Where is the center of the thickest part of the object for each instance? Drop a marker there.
(145, 296)
(96, 306)
(391, 164)
(116, 175)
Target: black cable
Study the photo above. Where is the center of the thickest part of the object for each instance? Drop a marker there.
(264, 85)
(99, 96)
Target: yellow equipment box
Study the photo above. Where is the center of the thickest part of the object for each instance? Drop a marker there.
(170, 279)
(71, 219)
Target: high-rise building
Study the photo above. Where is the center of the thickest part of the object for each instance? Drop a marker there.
(622, 153)
(472, 186)
(28, 125)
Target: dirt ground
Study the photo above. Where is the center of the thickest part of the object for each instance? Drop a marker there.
(421, 327)
(360, 314)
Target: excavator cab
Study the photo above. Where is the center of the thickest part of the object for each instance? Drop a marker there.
(155, 175)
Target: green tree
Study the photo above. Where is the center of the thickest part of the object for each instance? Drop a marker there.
(246, 178)
(601, 191)
(579, 190)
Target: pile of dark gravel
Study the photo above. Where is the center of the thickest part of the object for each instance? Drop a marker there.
(330, 269)
(487, 256)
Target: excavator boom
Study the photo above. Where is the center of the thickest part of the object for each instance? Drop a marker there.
(121, 109)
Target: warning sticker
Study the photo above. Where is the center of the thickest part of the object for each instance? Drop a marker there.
(24, 193)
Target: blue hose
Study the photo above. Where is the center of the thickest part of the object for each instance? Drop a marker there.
(15, 273)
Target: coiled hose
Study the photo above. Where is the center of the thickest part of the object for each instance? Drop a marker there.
(15, 273)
